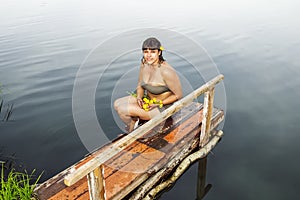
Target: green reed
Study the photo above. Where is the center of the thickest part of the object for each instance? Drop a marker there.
(18, 185)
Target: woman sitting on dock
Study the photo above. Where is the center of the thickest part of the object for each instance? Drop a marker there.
(158, 81)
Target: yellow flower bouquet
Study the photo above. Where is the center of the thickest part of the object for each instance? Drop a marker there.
(147, 103)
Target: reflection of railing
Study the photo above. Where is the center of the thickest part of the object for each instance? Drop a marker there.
(93, 169)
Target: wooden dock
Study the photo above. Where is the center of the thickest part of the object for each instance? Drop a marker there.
(146, 161)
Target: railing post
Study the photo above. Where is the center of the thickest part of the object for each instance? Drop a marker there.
(96, 184)
(207, 114)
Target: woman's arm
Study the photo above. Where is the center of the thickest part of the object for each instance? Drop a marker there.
(173, 82)
(139, 90)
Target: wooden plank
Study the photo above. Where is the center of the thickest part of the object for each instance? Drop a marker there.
(127, 177)
(121, 144)
(119, 162)
(137, 179)
(147, 162)
(141, 145)
(183, 151)
(178, 117)
(78, 191)
(175, 136)
(55, 184)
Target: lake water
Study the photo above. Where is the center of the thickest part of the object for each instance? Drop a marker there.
(255, 44)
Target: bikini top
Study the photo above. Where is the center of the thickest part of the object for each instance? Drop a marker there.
(155, 89)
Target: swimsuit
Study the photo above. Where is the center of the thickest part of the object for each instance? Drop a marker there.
(155, 89)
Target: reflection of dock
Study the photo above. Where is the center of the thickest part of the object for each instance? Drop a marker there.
(148, 160)
(202, 188)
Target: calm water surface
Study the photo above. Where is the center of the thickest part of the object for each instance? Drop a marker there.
(255, 44)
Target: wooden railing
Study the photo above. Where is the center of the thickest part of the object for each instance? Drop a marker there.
(93, 169)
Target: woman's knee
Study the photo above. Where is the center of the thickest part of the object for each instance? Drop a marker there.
(116, 104)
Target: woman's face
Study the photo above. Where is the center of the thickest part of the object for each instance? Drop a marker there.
(151, 56)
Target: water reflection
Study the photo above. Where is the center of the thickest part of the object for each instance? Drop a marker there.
(202, 188)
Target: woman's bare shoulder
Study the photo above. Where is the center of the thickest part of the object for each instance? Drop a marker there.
(166, 68)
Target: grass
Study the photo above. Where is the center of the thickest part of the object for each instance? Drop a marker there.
(17, 185)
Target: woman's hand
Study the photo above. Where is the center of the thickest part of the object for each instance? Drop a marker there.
(152, 106)
(140, 102)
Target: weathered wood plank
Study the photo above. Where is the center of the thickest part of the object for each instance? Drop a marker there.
(78, 191)
(137, 179)
(184, 150)
(143, 161)
(55, 184)
(142, 145)
(185, 142)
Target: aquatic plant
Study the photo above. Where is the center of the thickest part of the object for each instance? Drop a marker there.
(18, 185)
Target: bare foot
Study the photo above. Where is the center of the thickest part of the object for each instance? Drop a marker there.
(129, 128)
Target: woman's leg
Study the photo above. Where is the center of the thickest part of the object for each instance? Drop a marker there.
(129, 111)
(122, 105)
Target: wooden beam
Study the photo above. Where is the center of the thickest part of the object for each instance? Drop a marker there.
(96, 184)
(207, 114)
(117, 147)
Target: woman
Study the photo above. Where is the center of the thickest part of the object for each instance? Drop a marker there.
(157, 80)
